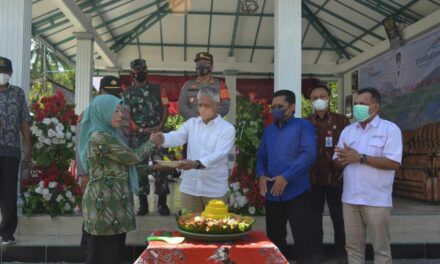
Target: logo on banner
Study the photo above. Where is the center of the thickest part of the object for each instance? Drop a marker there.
(432, 53)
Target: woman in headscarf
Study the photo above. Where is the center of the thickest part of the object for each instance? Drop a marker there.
(107, 204)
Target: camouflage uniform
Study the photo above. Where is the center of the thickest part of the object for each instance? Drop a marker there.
(146, 105)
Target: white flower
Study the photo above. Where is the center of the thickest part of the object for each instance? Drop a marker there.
(39, 189)
(67, 207)
(38, 132)
(69, 194)
(41, 184)
(68, 135)
(41, 139)
(231, 199)
(73, 129)
(39, 145)
(69, 145)
(54, 120)
(72, 199)
(34, 128)
(55, 141)
(60, 134)
(47, 197)
(245, 190)
(59, 127)
(47, 121)
(52, 184)
(45, 191)
(51, 133)
(26, 194)
(242, 200)
(47, 141)
(59, 198)
(236, 204)
(251, 210)
(235, 186)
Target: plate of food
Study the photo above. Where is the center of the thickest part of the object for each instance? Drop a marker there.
(214, 224)
(169, 163)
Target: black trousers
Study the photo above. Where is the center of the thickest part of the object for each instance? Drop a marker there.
(8, 196)
(297, 212)
(105, 249)
(333, 196)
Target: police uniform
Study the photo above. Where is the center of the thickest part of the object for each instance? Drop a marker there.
(188, 95)
(146, 108)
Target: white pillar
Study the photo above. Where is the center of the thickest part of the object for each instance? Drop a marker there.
(288, 48)
(15, 40)
(84, 70)
(231, 82)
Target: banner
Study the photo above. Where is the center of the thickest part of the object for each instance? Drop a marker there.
(408, 78)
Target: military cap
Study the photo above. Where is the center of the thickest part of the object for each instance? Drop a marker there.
(110, 85)
(204, 55)
(5, 64)
(138, 64)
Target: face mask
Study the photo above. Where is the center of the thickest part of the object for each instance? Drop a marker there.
(203, 69)
(4, 78)
(140, 76)
(320, 104)
(278, 114)
(360, 112)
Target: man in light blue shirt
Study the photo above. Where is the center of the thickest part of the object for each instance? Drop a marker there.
(286, 152)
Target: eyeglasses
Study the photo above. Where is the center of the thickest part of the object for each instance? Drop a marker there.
(278, 106)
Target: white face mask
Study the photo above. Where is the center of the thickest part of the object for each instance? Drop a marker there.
(4, 78)
(320, 104)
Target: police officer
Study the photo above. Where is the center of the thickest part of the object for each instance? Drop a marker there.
(188, 95)
(149, 111)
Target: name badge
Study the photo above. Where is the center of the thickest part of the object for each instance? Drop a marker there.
(328, 141)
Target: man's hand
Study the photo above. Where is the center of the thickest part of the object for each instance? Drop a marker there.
(279, 184)
(157, 138)
(188, 164)
(347, 155)
(83, 180)
(263, 184)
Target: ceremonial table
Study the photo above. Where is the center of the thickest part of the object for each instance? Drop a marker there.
(253, 248)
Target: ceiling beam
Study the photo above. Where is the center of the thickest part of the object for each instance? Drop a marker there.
(210, 25)
(346, 20)
(328, 37)
(386, 10)
(215, 46)
(151, 20)
(258, 31)
(57, 52)
(160, 28)
(234, 30)
(83, 23)
(102, 19)
(380, 23)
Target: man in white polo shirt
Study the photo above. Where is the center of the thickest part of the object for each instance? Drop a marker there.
(209, 138)
(370, 151)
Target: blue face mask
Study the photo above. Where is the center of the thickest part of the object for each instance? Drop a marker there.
(278, 114)
(360, 112)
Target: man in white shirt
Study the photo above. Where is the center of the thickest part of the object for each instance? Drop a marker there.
(209, 139)
(370, 151)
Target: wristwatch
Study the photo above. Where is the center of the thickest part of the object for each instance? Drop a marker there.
(363, 159)
(199, 165)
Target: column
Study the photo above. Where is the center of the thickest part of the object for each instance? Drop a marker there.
(15, 40)
(231, 82)
(84, 70)
(287, 65)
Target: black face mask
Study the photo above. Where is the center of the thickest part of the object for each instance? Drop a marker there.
(140, 76)
(203, 69)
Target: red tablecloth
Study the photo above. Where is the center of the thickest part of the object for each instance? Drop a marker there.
(254, 248)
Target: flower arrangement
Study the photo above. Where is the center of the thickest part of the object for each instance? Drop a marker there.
(51, 188)
(244, 191)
